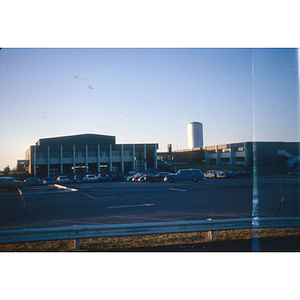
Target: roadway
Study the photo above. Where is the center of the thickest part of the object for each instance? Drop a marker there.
(131, 202)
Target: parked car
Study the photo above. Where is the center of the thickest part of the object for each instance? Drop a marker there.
(90, 178)
(77, 178)
(294, 173)
(244, 173)
(117, 177)
(226, 174)
(9, 183)
(48, 180)
(157, 177)
(32, 181)
(145, 177)
(185, 175)
(63, 179)
(211, 174)
(131, 176)
(104, 177)
(137, 176)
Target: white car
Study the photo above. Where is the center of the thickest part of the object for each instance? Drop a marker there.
(63, 179)
(90, 177)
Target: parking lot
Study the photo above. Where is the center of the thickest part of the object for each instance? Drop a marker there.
(134, 202)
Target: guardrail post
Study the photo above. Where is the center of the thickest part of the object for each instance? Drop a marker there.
(210, 234)
(76, 244)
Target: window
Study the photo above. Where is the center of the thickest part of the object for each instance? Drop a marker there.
(213, 161)
(225, 159)
(240, 159)
(226, 150)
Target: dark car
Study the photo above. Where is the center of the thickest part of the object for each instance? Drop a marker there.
(137, 176)
(117, 176)
(48, 180)
(156, 177)
(31, 181)
(185, 175)
(77, 178)
(294, 173)
(244, 173)
(227, 174)
(145, 177)
(9, 183)
(104, 177)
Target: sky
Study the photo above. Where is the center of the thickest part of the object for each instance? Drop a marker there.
(147, 95)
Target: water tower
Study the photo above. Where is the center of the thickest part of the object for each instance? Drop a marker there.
(195, 135)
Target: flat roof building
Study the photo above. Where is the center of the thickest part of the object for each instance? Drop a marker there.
(83, 153)
(268, 153)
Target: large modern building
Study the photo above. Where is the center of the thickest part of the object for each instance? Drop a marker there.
(267, 154)
(88, 153)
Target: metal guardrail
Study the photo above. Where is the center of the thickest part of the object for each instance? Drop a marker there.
(93, 231)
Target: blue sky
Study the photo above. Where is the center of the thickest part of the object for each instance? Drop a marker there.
(147, 95)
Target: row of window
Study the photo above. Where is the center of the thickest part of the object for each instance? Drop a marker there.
(226, 150)
(213, 161)
(81, 154)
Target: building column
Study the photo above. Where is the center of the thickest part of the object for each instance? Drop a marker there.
(133, 157)
(110, 158)
(217, 156)
(48, 161)
(34, 161)
(98, 160)
(61, 160)
(86, 159)
(145, 158)
(122, 158)
(206, 156)
(232, 157)
(246, 154)
(74, 163)
(155, 157)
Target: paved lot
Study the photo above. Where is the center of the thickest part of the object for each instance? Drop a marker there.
(128, 202)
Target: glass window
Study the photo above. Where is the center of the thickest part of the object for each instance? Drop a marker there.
(226, 150)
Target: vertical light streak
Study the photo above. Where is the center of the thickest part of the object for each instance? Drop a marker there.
(255, 198)
(298, 56)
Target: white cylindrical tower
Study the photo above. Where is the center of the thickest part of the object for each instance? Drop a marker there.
(195, 135)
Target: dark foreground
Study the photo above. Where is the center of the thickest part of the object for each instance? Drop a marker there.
(284, 244)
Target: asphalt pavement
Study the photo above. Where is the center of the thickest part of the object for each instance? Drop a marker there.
(133, 202)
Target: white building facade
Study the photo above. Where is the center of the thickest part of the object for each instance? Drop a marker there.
(88, 153)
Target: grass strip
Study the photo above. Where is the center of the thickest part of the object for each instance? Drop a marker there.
(127, 243)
